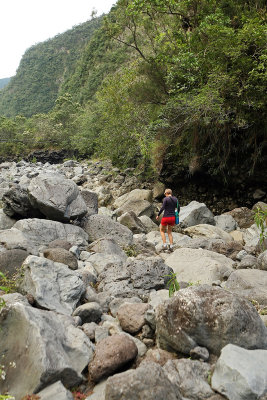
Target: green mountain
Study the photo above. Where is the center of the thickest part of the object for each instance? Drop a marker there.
(4, 82)
(43, 69)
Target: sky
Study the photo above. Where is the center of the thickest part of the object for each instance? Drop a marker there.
(24, 23)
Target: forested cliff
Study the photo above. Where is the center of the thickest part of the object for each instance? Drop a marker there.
(173, 87)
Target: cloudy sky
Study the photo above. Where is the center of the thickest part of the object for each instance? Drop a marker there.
(24, 23)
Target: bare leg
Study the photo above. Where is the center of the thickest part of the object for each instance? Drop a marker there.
(162, 232)
(170, 234)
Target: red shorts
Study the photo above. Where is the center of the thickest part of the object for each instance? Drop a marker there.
(168, 221)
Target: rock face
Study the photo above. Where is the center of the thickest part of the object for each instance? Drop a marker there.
(147, 382)
(44, 347)
(53, 285)
(196, 213)
(110, 355)
(100, 226)
(209, 317)
(198, 265)
(241, 374)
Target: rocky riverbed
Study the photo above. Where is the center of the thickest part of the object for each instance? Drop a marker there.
(90, 310)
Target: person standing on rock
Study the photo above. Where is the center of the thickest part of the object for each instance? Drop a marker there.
(168, 220)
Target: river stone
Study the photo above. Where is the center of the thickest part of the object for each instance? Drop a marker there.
(137, 277)
(89, 312)
(199, 266)
(55, 391)
(190, 378)
(208, 231)
(11, 261)
(111, 354)
(159, 356)
(248, 283)
(91, 201)
(40, 232)
(100, 226)
(45, 347)
(56, 197)
(61, 256)
(243, 216)
(130, 220)
(196, 213)
(147, 382)
(262, 261)
(134, 195)
(116, 303)
(131, 316)
(248, 261)
(226, 222)
(5, 221)
(53, 285)
(210, 317)
(241, 374)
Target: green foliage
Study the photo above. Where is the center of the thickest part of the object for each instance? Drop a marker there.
(4, 82)
(260, 218)
(173, 284)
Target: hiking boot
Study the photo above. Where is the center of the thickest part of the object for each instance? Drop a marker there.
(170, 249)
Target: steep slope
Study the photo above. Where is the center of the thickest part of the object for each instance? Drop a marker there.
(4, 82)
(43, 69)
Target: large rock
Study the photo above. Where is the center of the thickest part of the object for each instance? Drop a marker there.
(16, 203)
(137, 277)
(196, 213)
(107, 246)
(134, 195)
(131, 316)
(5, 221)
(147, 382)
(101, 260)
(209, 231)
(100, 226)
(63, 256)
(40, 232)
(249, 283)
(251, 235)
(55, 391)
(14, 239)
(209, 317)
(57, 198)
(139, 207)
(45, 347)
(226, 222)
(262, 261)
(148, 223)
(11, 261)
(53, 285)
(190, 377)
(241, 374)
(243, 216)
(132, 222)
(198, 265)
(91, 201)
(111, 354)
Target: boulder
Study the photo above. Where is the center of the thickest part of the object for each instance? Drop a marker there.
(89, 312)
(101, 260)
(100, 226)
(248, 261)
(250, 284)
(5, 221)
(209, 231)
(134, 195)
(137, 277)
(262, 261)
(147, 382)
(190, 378)
(14, 239)
(240, 374)
(117, 302)
(159, 356)
(59, 243)
(139, 207)
(107, 246)
(251, 235)
(131, 316)
(243, 216)
(209, 317)
(111, 354)
(196, 213)
(63, 256)
(11, 261)
(228, 249)
(16, 204)
(148, 223)
(56, 197)
(91, 201)
(53, 285)
(130, 220)
(40, 232)
(55, 391)
(45, 347)
(199, 266)
(226, 222)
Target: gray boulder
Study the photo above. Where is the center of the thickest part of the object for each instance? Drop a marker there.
(147, 382)
(61, 256)
(59, 243)
(226, 222)
(91, 201)
(130, 220)
(139, 207)
(56, 197)
(16, 203)
(250, 284)
(111, 354)
(134, 195)
(11, 261)
(196, 213)
(100, 226)
(14, 239)
(243, 216)
(135, 278)
(45, 347)
(55, 391)
(208, 231)
(148, 223)
(89, 312)
(53, 285)
(5, 221)
(107, 246)
(190, 378)
(209, 317)
(131, 316)
(241, 374)
(262, 261)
